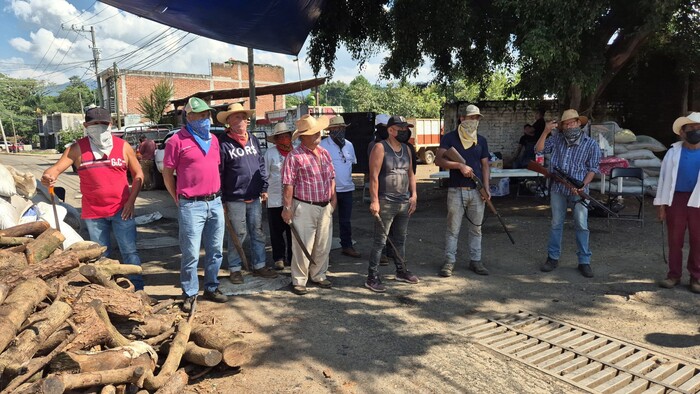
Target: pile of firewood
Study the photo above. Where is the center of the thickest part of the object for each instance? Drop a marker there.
(70, 320)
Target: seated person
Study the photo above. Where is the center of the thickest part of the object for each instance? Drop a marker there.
(526, 147)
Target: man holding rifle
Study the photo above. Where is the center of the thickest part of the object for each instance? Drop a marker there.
(578, 156)
(463, 196)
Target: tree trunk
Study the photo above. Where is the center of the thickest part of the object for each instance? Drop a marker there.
(176, 384)
(199, 355)
(22, 230)
(45, 269)
(28, 341)
(177, 349)
(235, 351)
(18, 305)
(44, 245)
(59, 384)
(136, 353)
(119, 303)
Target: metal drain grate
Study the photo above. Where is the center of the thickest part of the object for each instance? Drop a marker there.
(582, 357)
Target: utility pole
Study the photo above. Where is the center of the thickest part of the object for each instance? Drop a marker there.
(116, 94)
(95, 57)
(251, 84)
(82, 106)
(14, 132)
(4, 138)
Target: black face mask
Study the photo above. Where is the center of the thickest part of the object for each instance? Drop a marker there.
(403, 136)
(693, 137)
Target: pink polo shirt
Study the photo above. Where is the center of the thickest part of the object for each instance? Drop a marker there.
(197, 173)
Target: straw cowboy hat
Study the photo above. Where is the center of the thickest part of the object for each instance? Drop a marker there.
(571, 114)
(337, 121)
(280, 128)
(232, 109)
(693, 117)
(308, 125)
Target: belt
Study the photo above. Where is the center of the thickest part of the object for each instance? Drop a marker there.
(318, 204)
(206, 197)
(467, 188)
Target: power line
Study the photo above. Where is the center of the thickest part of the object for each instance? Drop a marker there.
(163, 45)
(166, 56)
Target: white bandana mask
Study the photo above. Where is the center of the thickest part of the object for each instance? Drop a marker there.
(100, 139)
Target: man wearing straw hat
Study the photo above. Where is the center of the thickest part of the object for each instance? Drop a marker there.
(280, 233)
(343, 155)
(308, 203)
(579, 156)
(244, 188)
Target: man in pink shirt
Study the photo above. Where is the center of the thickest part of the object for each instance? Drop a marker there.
(309, 201)
(194, 153)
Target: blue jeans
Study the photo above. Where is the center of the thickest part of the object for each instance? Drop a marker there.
(101, 230)
(394, 216)
(458, 201)
(200, 221)
(559, 203)
(344, 215)
(246, 218)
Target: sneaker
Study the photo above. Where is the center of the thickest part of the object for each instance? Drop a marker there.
(375, 284)
(585, 270)
(351, 252)
(187, 303)
(478, 267)
(695, 285)
(446, 269)
(299, 290)
(265, 273)
(669, 283)
(324, 284)
(236, 277)
(549, 265)
(383, 260)
(279, 265)
(215, 296)
(407, 276)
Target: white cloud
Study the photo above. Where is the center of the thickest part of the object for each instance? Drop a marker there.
(20, 44)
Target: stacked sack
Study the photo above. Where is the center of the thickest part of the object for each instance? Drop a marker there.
(640, 151)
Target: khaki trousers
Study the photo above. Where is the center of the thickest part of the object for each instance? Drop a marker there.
(315, 228)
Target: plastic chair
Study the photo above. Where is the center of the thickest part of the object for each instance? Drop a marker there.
(617, 178)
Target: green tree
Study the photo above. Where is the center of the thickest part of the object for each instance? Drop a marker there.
(18, 100)
(75, 96)
(335, 93)
(153, 105)
(362, 96)
(570, 49)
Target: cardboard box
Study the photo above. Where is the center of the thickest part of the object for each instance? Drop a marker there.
(499, 187)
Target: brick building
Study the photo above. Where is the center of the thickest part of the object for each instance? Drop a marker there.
(133, 84)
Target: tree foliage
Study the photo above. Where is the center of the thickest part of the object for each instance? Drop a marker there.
(153, 105)
(570, 49)
(76, 95)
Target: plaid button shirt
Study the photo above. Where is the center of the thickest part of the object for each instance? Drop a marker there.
(310, 175)
(577, 160)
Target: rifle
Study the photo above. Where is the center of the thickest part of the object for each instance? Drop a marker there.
(452, 155)
(567, 180)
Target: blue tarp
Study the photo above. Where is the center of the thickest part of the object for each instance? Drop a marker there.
(271, 25)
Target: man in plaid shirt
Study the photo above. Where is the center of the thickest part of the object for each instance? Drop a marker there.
(308, 203)
(578, 155)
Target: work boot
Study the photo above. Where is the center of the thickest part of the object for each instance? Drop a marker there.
(279, 265)
(407, 276)
(695, 285)
(215, 296)
(446, 269)
(236, 277)
(265, 273)
(478, 268)
(383, 260)
(585, 270)
(549, 265)
(187, 303)
(669, 283)
(351, 252)
(375, 284)
(299, 290)
(324, 284)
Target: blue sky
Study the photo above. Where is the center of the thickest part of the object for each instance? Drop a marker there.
(33, 45)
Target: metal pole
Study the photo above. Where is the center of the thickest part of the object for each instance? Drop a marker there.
(4, 138)
(251, 85)
(116, 94)
(96, 57)
(14, 132)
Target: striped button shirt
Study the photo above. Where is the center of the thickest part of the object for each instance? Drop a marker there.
(310, 174)
(576, 160)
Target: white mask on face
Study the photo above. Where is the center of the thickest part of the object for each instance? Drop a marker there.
(100, 139)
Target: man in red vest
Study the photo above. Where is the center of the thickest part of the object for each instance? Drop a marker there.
(108, 204)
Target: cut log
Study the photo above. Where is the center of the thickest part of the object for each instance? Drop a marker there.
(136, 353)
(47, 268)
(14, 241)
(115, 337)
(125, 284)
(108, 389)
(110, 270)
(22, 230)
(11, 260)
(154, 325)
(90, 254)
(4, 290)
(57, 384)
(54, 340)
(44, 245)
(120, 304)
(32, 368)
(176, 384)
(202, 356)
(90, 330)
(18, 305)
(28, 341)
(177, 349)
(94, 275)
(235, 350)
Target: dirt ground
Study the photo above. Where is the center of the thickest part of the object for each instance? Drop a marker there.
(350, 340)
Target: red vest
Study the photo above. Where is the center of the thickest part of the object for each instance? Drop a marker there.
(103, 182)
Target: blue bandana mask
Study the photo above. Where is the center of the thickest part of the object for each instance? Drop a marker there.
(200, 131)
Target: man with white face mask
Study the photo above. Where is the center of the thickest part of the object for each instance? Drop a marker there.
(577, 155)
(107, 204)
(463, 198)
